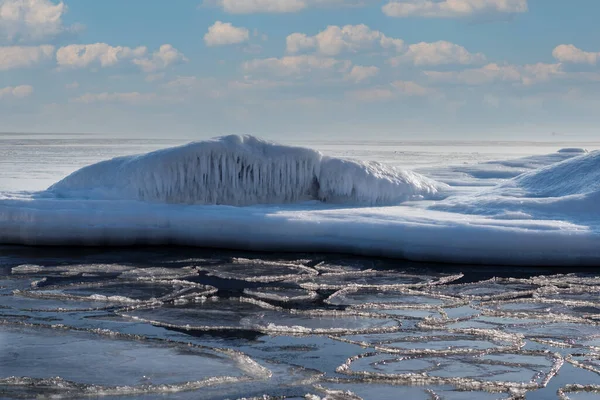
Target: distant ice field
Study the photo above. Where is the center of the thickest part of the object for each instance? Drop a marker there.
(513, 203)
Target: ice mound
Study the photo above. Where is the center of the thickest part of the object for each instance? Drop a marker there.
(243, 170)
(577, 175)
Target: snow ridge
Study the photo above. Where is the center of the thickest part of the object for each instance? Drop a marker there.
(577, 175)
(243, 170)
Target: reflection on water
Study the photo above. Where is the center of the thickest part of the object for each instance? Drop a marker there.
(138, 323)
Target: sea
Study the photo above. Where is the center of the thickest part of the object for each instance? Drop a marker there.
(193, 323)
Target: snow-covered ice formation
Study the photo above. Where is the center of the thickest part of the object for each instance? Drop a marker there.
(243, 170)
(296, 199)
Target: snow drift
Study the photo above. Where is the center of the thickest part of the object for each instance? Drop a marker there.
(577, 175)
(567, 189)
(243, 170)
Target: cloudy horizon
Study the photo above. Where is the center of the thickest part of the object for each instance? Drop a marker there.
(398, 69)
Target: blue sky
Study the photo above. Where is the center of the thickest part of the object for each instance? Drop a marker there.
(323, 69)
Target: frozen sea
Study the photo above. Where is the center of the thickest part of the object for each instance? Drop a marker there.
(193, 323)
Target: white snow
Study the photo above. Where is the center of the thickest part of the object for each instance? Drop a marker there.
(242, 170)
(547, 215)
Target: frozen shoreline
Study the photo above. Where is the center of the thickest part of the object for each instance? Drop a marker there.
(547, 216)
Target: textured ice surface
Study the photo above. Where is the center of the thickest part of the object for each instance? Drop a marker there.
(429, 335)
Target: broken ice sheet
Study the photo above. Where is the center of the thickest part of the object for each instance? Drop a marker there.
(124, 292)
(97, 270)
(258, 270)
(542, 307)
(442, 342)
(8, 285)
(499, 369)
(254, 315)
(281, 294)
(372, 279)
(495, 288)
(373, 298)
(77, 356)
(579, 392)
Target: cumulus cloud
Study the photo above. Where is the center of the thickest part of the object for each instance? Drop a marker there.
(495, 73)
(335, 40)
(104, 55)
(18, 92)
(452, 8)
(84, 55)
(296, 65)
(568, 53)
(224, 33)
(360, 73)
(24, 56)
(438, 53)
(166, 56)
(31, 20)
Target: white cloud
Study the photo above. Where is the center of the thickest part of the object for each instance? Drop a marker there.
(392, 91)
(438, 53)
(25, 20)
(72, 85)
(224, 33)
(452, 8)
(296, 65)
(262, 6)
(570, 54)
(132, 98)
(257, 84)
(166, 56)
(104, 55)
(360, 73)
(478, 76)
(493, 73)
(84, 55)
(410, 88)
(276, 6)
(541, 72)
(335, 40)
(24, 56)
(18, 92)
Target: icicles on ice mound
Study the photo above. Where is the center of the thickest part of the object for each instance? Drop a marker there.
(243, 170)
(230, 170)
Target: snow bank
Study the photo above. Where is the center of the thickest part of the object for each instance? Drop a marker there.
(407, 232)
(242, 170)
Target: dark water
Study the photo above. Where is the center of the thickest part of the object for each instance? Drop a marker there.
(198, 324)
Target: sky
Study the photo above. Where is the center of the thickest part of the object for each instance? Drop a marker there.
(293, 69)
